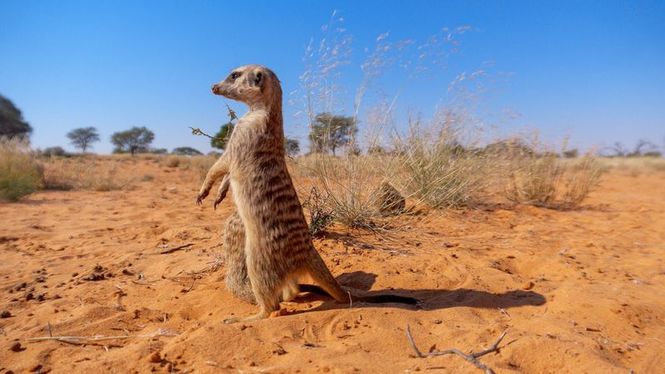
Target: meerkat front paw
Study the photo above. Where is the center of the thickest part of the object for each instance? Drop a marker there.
(221, 194)
(201, 196)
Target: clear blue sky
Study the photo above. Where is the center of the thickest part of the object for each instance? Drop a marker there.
(594, 70)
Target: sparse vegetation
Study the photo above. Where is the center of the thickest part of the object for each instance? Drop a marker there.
(291, 146)
(85, 174)
(329, 132)
(320, 213)
(222, 137)
(82, 138)
(12, 123)
(20, 173)
(56, 151)
(548, 181)
(134, 140)
(186, 151)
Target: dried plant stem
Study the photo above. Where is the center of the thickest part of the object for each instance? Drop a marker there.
(471, 357)
(82, 340)
(171, 250)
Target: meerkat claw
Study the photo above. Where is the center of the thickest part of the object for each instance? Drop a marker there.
(200, 198)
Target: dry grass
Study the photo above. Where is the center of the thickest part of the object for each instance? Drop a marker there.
(549, 181)
(20, 173)
(433, 167)
(634, 165)
(199, 164)
(344, 185)
(427, 167)
(85, 173)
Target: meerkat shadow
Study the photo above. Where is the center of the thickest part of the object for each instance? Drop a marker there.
(429, 299)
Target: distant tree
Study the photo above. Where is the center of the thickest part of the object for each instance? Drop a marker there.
(571, 153)
(618, 150)
(353, 150)
(376, 150)
(186, 151)
(222, 137)
(158, 151)
(643, 147)
(329, 132)
(136, 139)
(11, 120)
(82, 137)
(291, 146)
(53, 151)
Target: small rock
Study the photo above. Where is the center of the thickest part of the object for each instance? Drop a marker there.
(528, 285)
(450, 244)
(388, 201)
(155, 358)
(16, 347)
(5, 314)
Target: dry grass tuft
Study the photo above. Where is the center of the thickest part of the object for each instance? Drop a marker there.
(435, 168)
(549, 181)
(20, 173)
(85, 173)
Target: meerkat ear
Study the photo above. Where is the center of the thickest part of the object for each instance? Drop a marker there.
(257, 78)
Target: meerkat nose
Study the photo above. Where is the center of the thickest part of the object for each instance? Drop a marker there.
(214, 88)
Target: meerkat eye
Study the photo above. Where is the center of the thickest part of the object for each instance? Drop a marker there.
(257, 78)
(235, 75)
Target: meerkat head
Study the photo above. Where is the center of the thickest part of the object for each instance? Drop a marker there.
(251, 84)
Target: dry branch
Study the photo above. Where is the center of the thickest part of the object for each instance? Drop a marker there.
(471, 357)
(83, 340)
(171, 250)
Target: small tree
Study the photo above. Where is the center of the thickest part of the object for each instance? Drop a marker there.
(186, 151)
(291, 146)
(82, 137)
(136, 139)
(11, 120)
(329, 132)
(222, 137)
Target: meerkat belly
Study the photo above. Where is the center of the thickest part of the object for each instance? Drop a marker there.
(268, 205)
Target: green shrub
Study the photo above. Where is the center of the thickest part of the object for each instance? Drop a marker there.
(20, 173)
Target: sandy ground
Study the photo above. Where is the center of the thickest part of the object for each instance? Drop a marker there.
(577, 291)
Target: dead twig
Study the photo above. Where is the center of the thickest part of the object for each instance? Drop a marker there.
(171, 250)
(197, 131)
(83, 340)
(471, 357)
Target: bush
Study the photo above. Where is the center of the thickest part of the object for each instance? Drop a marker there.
(53, 152)
(186, 151)
(171, 161)
(436, 169)
(20, 173)
(551, 182)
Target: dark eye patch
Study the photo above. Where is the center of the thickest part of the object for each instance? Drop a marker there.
(235, 75)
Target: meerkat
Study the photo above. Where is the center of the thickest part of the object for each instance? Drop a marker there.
(278, 249)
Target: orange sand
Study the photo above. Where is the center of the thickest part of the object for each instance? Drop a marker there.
(578, 291)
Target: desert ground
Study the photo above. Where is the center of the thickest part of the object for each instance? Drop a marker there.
(578, 291)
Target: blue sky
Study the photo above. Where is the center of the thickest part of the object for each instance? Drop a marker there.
(591, 70)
